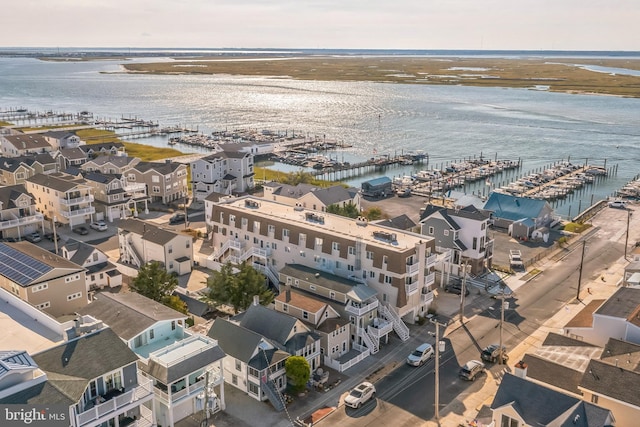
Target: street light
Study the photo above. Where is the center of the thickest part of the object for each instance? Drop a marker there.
(440, 346)
(584, 244)
(503, 306)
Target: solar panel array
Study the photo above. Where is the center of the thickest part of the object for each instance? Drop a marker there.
(19, 267)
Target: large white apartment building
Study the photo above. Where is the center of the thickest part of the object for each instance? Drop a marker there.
(398, 265)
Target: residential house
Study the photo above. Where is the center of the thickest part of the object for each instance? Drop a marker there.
(464, 231)
(62, 139)
(141, 242)
(18, 216)
(43, 279)
(520, 402)
(257, 344)
(103, 149)
(100, 273)
(70, 157)
(225, 172)
(183, 367)
(398, 265)
(112, 164)
(115, 197)
(108, 393)
(15, 170)
(23, 144)
(613, 381)
(67, 198)
(519, 215)
(377, 187)
(166, 182)
(401, 222)
(346, 314)
(618, 317)
(311, 197)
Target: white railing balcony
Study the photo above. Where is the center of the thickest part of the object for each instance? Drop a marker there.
(430, 279)
(361, 310)
(379, 330)
(235, 244)
(444, 253)
(78, 212)
(413, 268)
(128, 400)
(77, 200)
(431, 260)
(135, 188)
(411, 289)
(30, 219)
(426, 296)
(145, 419)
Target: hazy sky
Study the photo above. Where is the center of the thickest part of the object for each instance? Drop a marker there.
(385, 24)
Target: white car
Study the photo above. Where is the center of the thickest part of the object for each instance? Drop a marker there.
(619, 204)
(361, 394)
(420, 355)
(99, 225)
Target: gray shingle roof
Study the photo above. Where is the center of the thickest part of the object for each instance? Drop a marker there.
(130, 313)
(539, 405)
(332, 195)
(163, 168)
(72, 365)
(73, 153)
(324, 279)
(616, 382)
(549, 372)
(28, 141)
(99, 147)
(148, 231)
(236, 341)
(621, 304)
(41, 394)
(9, 194)
(57, 181)
(401, 222)
(270, 324)
(118, 161)
(83, 250)
(626, 354)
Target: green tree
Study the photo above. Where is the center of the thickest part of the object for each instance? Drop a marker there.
(298, 371)
(174, 301)
(299, 177)
(236, 286)
(373, 214)
(349, 210)
(154, 282)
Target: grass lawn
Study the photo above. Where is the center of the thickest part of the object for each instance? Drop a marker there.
(143, 152)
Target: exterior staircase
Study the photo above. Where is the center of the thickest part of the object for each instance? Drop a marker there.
(274, 395)
(369, 342)
(267, 272)
(133, 254)
(398, 325)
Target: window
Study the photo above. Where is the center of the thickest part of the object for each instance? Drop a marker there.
(351, 250)
(95, 256)
(372, 274)
(335, 246)
(285, 307)
(350, 267)
(508, 422)
(385, 259)
(234, 379)
(445, 232)
(431, 231)
(305, 315)
(238, 365)
(388, 279)
(151, 334)
(287, 249)
(369, 255)
(312, 287)
(332, 295)
(173, 325)
(594, 399)
(113, 381)
(338, 265)
(482, 226)
(318, 242)
(43, 305)
(245, 221)
(253, 388)
(155, 178)
(156, 189)
(40, 287)
(274, 246)
(74, 296)
(475, 243)
(285, 232)
(271, 229)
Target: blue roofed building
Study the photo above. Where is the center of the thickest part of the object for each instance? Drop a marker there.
(377, 187)
(519, 215)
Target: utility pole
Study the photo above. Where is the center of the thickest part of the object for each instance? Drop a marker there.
(462, 292)
(186, 216)
(626, 237)
(437, 370)
(502, 307)
(584, 244)
(55, 233)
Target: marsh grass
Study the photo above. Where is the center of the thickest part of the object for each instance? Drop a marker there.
(562, 75)
(143, 152)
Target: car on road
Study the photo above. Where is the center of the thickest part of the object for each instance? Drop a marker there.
(99, 225)
(456, 288)
(420, 355)
(361, 394)
(51, 236)
(33, 237)
(491, 353)
(470, 370)
(178, 218)
(618, 204)
(81, 230)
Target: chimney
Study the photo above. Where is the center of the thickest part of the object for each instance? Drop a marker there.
(167, 161)
(287, 294)
(256, 300)
(520, 370)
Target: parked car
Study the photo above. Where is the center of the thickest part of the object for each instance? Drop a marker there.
(420, 355)
(51, 236)
(618, 204)
(81, 230)
(491, 353)
(178, 218)
(456, 288)
(99, 225)
(11, 239)
(470, 370)
(361, 394)
(33, 237)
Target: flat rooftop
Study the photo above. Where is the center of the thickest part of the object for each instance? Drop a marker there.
(22, 332)
(182, 349)
(371, 233)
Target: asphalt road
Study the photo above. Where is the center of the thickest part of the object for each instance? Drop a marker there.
(407, 396)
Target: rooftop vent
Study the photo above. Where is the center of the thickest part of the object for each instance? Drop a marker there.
(361, 220)
(298, 207)
(251, 204)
